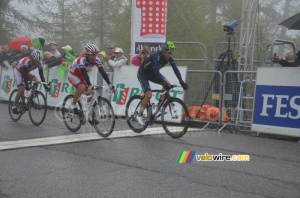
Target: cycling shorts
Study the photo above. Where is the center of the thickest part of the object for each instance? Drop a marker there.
(75, 80)
(145, 77)
(19, 77)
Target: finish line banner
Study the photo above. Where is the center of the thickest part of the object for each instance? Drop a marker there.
(277, 101)
(148, 24)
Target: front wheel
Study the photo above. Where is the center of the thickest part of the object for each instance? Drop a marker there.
(16, 115)
(103, 117)
(132, 110)
(175, 117)
(71, 120)
(37, 108)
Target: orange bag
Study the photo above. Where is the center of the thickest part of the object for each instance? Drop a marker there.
(207, 113)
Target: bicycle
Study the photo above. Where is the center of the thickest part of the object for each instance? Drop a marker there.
(102, 114)
(172, 112)
(35, 103)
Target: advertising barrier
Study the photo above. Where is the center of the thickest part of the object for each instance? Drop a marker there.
(127, 85)
(277, 101)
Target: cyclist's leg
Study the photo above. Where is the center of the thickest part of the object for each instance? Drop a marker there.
(19, 81)
(144, 81)
(79, 84)
(154, 79)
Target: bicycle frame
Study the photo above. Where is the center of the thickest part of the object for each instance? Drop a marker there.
(27, 100)
(160, 105)
(89, 105)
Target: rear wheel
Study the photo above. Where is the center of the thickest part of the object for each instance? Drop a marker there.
(38, 108)
(16, 115)
(72, 121)
(132, 110)
(175, 117)
(103, 117)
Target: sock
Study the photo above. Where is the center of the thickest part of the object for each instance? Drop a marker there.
(140, 113)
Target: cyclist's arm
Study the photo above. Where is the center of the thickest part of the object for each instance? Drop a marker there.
(86, 76)
(175, 69)
(156, 69)
(104, 75)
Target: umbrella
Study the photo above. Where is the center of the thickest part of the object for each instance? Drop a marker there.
(292, 23)
(16, 43)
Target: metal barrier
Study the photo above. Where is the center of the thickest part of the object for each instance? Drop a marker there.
(238, 97)
(270, 50)
(232, 92)
(200, 91)
(191, 51)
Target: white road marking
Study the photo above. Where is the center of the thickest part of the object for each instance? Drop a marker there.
(7, 145)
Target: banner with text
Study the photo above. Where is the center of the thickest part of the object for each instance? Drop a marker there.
(277, 101)
(148, 24)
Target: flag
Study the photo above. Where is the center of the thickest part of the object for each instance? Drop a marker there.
(69, 58)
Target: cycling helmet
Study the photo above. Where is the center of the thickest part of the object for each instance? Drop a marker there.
(37, 55)
(168, 46)
(91, 49)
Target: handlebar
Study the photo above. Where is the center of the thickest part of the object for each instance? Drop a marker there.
(32, 83)
(172, 87)
(97, 87)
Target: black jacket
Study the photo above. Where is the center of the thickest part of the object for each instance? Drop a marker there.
(295, 63)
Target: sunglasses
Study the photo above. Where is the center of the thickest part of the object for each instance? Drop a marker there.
(110, 48)
(116, 52)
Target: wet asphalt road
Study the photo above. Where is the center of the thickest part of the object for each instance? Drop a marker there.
(144, 165)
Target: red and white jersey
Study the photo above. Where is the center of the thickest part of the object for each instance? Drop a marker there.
(27, 62)
(81, 62)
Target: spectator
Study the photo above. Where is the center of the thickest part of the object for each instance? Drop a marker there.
(6, 57)
(286, 63)
(101, 56)
(1, 47)
(61, 59)
(16, 58)
(289, 56)
(48, 59)
(118, 61)
(25, 51)
(111, 50)
(54, 50)
(138, 59)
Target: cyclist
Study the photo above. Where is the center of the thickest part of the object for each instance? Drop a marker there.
(23, 71)
(78, 76)
(149, 71)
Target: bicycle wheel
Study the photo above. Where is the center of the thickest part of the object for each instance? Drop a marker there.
(72, 121)
(175, 117)
(37, 108)
(15, 117)
(103, 117)
(132, 109)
